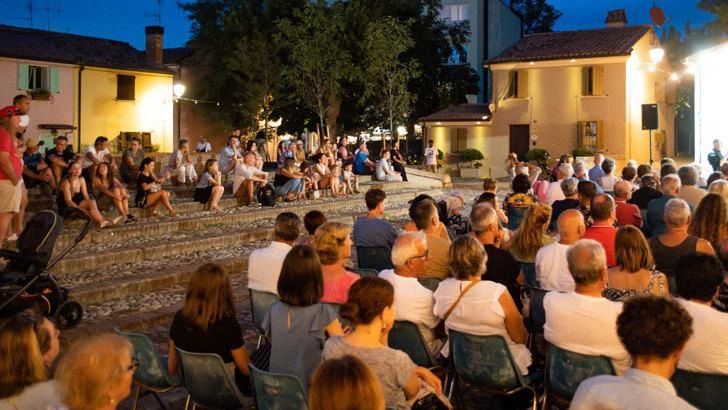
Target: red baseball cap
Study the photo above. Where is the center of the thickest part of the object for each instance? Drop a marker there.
(9, 111)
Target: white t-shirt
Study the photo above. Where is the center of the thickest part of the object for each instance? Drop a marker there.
(264, 266)
(98, 155)
(430, 156)
(552, 270)
(707, 349)
(554, 193)
(585, 324)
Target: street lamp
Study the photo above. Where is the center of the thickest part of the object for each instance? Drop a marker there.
(179, 90)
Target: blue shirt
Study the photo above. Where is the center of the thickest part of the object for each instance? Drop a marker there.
(654, 224)
(359, 161)
(371, 232)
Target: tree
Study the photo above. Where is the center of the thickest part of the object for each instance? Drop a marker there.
(537, 15)
(717, 28)
(387, 75)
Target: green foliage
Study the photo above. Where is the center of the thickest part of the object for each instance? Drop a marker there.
(537, 154)
(537, 15)
(440, 154)
(582, 152)
(471, 154)
(717, 28)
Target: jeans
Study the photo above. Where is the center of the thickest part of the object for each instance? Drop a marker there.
(292, 186)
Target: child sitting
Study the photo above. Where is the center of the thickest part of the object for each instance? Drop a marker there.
(349, 180)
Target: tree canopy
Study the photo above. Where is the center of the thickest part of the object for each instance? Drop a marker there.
(538, 16)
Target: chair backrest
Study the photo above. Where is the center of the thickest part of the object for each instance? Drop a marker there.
(260, 302)
(151, 372)
(429, 283)
(702, 390)
(566, 370)
(375, 257)
(536, 311)
(277, 391)
(363, 272)
(405, 336)
(484, 360)
(208, 381)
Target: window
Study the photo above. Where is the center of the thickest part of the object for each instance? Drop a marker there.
(125, 87)
(454, 12)
(591, 80)
(517, 84)
(458, 140)
(458, 57)
(39, 81)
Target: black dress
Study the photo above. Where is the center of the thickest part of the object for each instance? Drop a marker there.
(77, 198)
(397, 166)
(141, 194)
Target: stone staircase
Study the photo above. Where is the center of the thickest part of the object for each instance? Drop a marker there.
(134, 276)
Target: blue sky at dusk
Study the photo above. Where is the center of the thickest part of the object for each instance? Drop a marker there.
(124, 20)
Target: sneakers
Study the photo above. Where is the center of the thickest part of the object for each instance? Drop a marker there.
(118, 219)
(104, 224)
(12, 238)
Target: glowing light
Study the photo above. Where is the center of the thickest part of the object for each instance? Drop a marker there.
(438, 123)
(690, 68)
(179, 90)
(531, 63)
(573, 60)
(674, 77)
(401, 130)
(656, 54)
(651, 68)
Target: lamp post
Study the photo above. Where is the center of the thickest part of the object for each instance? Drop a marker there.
(178, 90)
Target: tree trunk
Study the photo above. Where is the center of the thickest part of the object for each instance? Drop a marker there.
(334, 110)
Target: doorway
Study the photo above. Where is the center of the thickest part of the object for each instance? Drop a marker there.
(519, 139)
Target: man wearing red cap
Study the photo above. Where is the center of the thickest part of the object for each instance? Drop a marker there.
(11, 169)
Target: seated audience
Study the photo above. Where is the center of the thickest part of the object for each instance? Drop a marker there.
(698, 278)
(414, 302)
(131, 161)
(346, 383)
(342, 153)
(646, 193)
(469, 304)
(95, 154)
(491, 199)
(668, 169)
(552, 270)
(349, 179)
(149, 190)
(654, 223)
(384, 171)
(629, 174)
(322, 176)
(252, 147)
(398, 161)
(58, 158)
(288, 181)
(440, 231)
(28, 347)
(554, 191)
(668, 247)
(73, 194)
(715, 176)
(597, 172)
(247, 178)
(96, 373)
(209, 188)
(627, 213)
(35, 171)
(570, 201)
(180, 164)
(425, 216)
(264, 264)
(530, 237)
(602, 229)
(635, 272)
(719, 187)
(587, 190)
(298, 324)
(311, 221)
(108, 190)
(229, 158)
(689, 191)
(608, 180)
(371, 230)
(371, 310)
(583, 321)
(203, 146)
(517, 202)
(654, 331)
(332, 242)
(362, 165)
(206, 324)
(710, 220)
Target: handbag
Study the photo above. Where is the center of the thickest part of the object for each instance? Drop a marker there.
(260, 358)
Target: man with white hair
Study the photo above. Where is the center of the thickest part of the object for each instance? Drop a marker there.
(582, 321)
(689, 191)
(654, 223)
(414, 302)
(554, 192)
(675, 242)
(552, 270)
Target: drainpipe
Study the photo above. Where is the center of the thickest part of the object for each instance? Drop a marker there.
(78, 129)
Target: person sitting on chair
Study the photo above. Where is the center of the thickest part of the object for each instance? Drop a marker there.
(371, 230)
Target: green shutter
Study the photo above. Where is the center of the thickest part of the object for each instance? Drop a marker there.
(55, 80)
(23, 74)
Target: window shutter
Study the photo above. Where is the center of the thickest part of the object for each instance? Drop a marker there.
(600, 135)
(585, 80)
(23, 74)
(522, 78)
(597, 80)
(55, 80)
(512, 84)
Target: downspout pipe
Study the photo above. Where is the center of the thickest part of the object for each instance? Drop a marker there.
(78, 129)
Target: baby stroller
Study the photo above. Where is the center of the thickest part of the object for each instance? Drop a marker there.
(25, 281)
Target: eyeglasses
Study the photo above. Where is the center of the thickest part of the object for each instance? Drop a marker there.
(423, 257)
(134, 365)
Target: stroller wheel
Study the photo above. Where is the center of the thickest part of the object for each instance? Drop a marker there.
(68, 314)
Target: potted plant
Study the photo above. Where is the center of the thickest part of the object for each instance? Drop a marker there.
(582, 154)
(472, 156)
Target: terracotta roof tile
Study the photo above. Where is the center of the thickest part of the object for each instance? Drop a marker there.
(461, 112)
(176, 55)
(560, 45)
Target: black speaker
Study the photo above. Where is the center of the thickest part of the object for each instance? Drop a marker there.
(649, 116)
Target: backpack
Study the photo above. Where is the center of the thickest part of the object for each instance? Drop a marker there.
(266, 195)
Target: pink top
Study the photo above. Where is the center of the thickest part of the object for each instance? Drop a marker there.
(337, 291)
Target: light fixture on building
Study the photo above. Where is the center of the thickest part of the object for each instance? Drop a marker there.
(573, 60)
(531, 63)
(651, 68)
(656, 54)
(179, 90)
(674, 77)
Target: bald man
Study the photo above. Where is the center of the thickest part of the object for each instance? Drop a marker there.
(552, 269)
(602, 229)
(627, 214)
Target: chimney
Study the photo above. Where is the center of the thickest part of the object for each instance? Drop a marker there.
(616, 18)
(154, 45)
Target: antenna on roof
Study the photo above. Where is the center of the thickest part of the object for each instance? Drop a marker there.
(157, 15)
(32, 8)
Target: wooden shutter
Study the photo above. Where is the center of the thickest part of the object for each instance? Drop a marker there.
(512, 84)
(54, 80)
(23, 76)
(585, 80)
(597, 80)
(600, 135)
(522, 89)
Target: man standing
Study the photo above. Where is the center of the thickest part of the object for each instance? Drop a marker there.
(426, 219)
(583, 321)
(602, 229)
(11, 169)
(715, 157)
(371, 230)
(552, 269)
(247, 178)
(627, 213)
(22, 101)
(264, 265)
(414, 302)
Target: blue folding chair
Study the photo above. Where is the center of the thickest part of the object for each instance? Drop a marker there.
(260, 302)
(209, 382)
(375, 257)
(536, 317)
(363, 272)
(702, 390)
(429, 283)
(565, 370)
(405, 336)
(273, 391)
(486, 362)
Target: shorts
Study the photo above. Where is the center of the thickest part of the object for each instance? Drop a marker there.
(10, 196)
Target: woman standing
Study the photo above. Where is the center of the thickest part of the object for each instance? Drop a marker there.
(209, 188)
(107, 188)
(73, 194)
(333, 243)
(297, 325)
(149, 190)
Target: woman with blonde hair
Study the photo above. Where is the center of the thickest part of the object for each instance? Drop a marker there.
(346, 383)
(635, 272)
(710, 220)
(333, 243)
(28, 346)
(207, 324)
(530, 237)
(96, 374)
